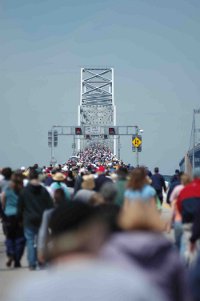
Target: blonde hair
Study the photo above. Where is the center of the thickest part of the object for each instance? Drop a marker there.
(185, 179)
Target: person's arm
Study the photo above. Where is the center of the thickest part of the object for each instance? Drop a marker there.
(172, 215)
(49, 200)
(163, 184)
(153, 202)
(196, 228)
(3, 201)
(43, 235)
(20, 207)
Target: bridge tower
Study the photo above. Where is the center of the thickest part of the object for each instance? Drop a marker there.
(97, 106)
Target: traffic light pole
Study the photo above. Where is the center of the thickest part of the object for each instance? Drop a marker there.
(119, 146)
(78, 132)
(52, 143)
(137, 153)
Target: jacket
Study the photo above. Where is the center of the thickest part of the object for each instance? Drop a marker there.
(100, 181)
(33, 201)
(158, 182)
(155, 255)
(188, 201)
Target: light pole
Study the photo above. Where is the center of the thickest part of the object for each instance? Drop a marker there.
(137, 131)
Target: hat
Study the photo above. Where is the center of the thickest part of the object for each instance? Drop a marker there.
(88, 182)
(59, 177)
(65, 168)
(100, 169)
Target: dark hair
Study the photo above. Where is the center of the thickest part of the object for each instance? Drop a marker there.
(156, 169)
(122, 172)
(17, 180)
(33, 174)
(59, 197)
(137, 178)
(109, 192)
(109, 213)
(70, 216)
(7, 173)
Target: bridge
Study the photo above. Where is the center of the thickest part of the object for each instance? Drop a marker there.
(96, 117)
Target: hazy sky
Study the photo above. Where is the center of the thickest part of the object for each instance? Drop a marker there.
(154, 46)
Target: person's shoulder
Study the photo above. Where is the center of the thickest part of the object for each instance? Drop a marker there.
(149, 189)
(7, 190)
(129, 193)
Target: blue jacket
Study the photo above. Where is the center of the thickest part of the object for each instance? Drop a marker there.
(158, 182)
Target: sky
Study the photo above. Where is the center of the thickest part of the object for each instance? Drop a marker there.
(153, 46)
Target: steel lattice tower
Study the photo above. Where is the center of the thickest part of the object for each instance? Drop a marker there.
(97, 106)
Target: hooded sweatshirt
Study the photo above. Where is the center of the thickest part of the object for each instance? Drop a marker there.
(33, 201)
(155, 255)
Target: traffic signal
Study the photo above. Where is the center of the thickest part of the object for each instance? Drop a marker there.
(50, 138)
(111, 131)
(55, 138)
(78, 131)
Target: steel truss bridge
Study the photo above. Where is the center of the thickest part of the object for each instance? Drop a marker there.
(96, 115)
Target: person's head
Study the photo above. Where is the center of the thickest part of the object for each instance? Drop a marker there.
(35, 166)
(185, 179)
(59, 197)
(88, 182)
(70, 174)
(137, 178)
(7, 173)
(33, 175)
(109, 192)
(122, 173)
(156, 170)
(96, 199)
(100, 170)
(177, 172)
(109, 213)
(17, 182)
(76, 228)
(140, 216)
(59, 177)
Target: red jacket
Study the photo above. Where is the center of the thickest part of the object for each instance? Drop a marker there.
(189, 201)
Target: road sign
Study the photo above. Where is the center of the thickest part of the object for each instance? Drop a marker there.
(137, 143)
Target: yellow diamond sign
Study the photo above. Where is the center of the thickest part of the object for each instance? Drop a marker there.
(136, 142)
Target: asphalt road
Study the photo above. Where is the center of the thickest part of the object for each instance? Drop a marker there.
(9, 276)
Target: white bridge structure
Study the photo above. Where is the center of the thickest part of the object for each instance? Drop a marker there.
(96, 116)
(97, 107)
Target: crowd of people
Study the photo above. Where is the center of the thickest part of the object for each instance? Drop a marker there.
(97, 225)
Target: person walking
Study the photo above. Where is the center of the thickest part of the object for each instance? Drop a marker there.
(139, 189)
(43, 235)
(101, 178)
(58, 183)
(122, 174)
(158, 183)
(33, 201)
(188, 204)
(15, 241)
(176, 219)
